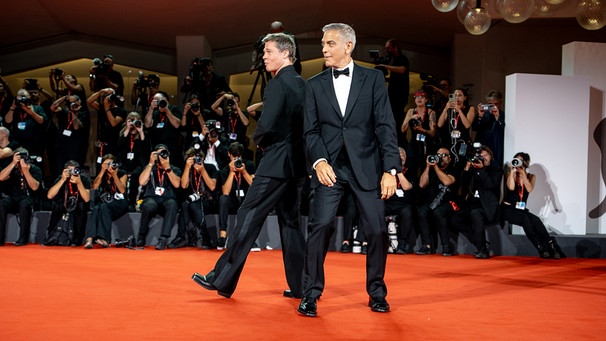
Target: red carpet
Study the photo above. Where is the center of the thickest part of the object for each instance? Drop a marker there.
(60, 293)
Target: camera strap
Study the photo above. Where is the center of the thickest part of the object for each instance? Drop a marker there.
(199, 182)
(72, 193)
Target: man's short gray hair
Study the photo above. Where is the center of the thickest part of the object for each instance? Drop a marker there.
(346, 31)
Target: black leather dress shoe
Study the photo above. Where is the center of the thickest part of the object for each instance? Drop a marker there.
(20, 243)
(288, 293)
(204, 282)
(378, 304)
(308, 307)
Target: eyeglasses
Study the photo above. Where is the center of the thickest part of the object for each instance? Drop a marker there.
(444, 155)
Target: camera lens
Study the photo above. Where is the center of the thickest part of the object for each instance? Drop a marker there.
(162, 103)
(75, 171)
(137, 123)
(238, 163)
(195, 106)
(230, 102)
(516, 163)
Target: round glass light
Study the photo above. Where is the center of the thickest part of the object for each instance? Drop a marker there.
(554, 2)
(515, 11)
(477, 21)
(543, 8)
(465, 6)
(591, 14)
(445, 5)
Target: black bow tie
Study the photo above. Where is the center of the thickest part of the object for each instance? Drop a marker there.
(337, 73)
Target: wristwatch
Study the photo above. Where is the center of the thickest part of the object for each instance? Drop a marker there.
(168, 170)
(392, 171)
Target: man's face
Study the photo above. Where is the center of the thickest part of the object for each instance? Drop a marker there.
(109, 63)
(445, 158)
(389, 49)
(494, 102)
(487, 158)
(336, 50)
(273, 58)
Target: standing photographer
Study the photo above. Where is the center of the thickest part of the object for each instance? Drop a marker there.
(19, 179)
(163, 121)
(214, 145)
(480, 185)
(70, 194)
(103, 75)
(519, 185)
(203, 81)
(422, 122)
(71, 134)
(110, 115)
(160, 181)
(133, 150)
(199, 181)
(26, 122)
(192, 121)
(490, 125)
(233, 119)
(143, 91)
(110, 203)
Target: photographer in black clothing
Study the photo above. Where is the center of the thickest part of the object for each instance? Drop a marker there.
(480, 185)
(192, 122)
(233, 120)
(199, 180)
(71, 135)
(143, 91)
(26, 122)
(204, 82)
(110, 116)
(103, 75)
(18, 179)
(163, 121)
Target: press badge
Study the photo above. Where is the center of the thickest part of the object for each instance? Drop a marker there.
(21, 125)
(455, 134)
(67, 132)
(194, 134)
(520, 205)
(160, 125)
(99, 159)
(118, 196)
(159, 190)
(400, 193)
(233, 136)
(241, 193)
(420, 137)
(130, 156)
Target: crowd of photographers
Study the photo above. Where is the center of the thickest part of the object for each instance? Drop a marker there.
(193, 158)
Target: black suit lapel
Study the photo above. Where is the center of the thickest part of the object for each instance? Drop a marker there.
(359, 76)
(329, 89)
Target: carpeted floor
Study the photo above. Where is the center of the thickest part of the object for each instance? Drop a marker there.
(61, 293)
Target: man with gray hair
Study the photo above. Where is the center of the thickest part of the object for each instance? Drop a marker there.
(279, 135)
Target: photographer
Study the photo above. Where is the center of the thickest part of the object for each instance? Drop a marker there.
(133, 149)
(236, 178)
(109, 204)
(57, 76)
(214, 145)
(192, 121)
(18, 180)
(26, 122)
(160, 181)
(490, 125)
(398, 86)
(204, 82)
(70, 195)
(199, 181)
(422, 122)
(519, 184)
(480, 186)
(103, 75)
(110, 115)
(233, 119)
(143, 91)
(454, 123)
(436, 205)
(71, 134)
(163, 121)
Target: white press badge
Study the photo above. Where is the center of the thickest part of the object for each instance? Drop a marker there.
(455, 134)
(520, 205)
(160, 125)
(99, 159)
(159, 190)
(420, 137)
(241, 193)
(400, 193)
(118, 196)
(67, 132)
(194, 134)
(130, 156)
(21, 125)
(233, 136)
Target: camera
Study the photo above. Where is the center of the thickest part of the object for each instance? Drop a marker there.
(22, 100)
(31, 84)
(452, 98)
(57, 72)
(162, 103)
(195, 106)
(230, 102)
(129, 242)
(428, 81)
(116, 99)
(196, 70)
(476, 157)
(74, 105)
(516, 163)
(434, 159)
(414, 122)
(487, 107)
(193, 197)
(163, 154)
(24, 157)
(238, 163)
(214, 128)
(115, 164)
(376, 58)
(198, 159)
(75, 171)
(99, 68)
(137, 123)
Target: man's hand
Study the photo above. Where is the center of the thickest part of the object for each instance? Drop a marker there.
(388, 186)
(326, 174)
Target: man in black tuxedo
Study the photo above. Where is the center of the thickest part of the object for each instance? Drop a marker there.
(351, 141)
(279, 134)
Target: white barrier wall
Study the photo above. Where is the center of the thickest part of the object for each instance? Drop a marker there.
(548, 117)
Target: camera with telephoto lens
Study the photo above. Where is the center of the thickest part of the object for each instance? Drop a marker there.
(129, 242)
(115, 164)
(198, 159)
(230, 102)
(413, 123)
(22, 100)
(57, 72)
(197, 69)
(195, 106)
(476, 156)
(214, 128)
(75, 171)
(137, 123)
(163, 154)
(100, 67)
(24, 157)
(516, 163)
(162, 103)
(74, 105)
(434, 159)
(116, 99)
(238, 163)
(487, 107)
(193, 197)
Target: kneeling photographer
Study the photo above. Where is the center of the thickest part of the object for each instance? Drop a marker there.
(70, 195)
(109, 202)
(480, 186)
(199, 181)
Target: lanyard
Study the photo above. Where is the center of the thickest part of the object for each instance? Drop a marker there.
(69, 120)
(111, 184)
(132, 142)
(198, 182)
(161, 174)
(521, 190)
(232, 123)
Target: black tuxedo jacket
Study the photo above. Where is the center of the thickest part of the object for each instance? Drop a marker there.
(279, 132)
(367, 129)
